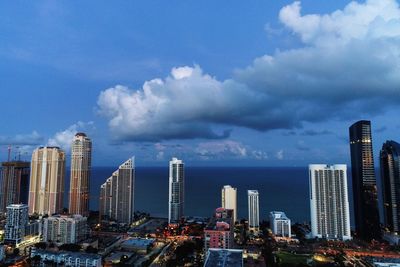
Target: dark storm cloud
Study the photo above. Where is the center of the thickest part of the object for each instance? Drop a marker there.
(315, 133)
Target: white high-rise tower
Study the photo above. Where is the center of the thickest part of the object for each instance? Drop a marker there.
(176, 191)
(254, 219)
(330, 216)
(229, 199)
(117, 194)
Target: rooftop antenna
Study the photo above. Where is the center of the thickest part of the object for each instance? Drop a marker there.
(9, 153)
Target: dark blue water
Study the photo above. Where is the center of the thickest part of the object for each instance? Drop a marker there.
(283, 189)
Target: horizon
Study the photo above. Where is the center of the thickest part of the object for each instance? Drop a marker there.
(264, 88)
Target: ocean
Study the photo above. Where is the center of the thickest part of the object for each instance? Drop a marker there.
(280, 188)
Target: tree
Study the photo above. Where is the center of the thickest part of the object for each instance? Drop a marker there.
(16, 251)
(41, 245)
(70, 247)
(123, 260)
(91, 249)
(35, 260)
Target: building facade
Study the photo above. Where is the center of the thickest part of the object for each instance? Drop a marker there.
(18, 229)
(176, 196)
(81, 158)
(329, 205)
(280, 224)
(224, 258)
(117, 194)
(254, 217)
(64, 229)
(229, 199)
(66, 258)
(14, 185)
(46, 187)
(390, 177)
(16, 221)
(219, 232)
(365, 193)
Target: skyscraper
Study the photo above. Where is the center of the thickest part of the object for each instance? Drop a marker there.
(390, 176)
(229, 199)
(117, 194)
(365, 192)
(329, 205)
(46, 187)
(254, 219)
(14, 187)
(176, 191)
(81, 155)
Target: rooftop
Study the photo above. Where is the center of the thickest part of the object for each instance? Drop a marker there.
(224, 257)
(252, 192)
(17, 206)
(80, 134)
(67, 254)
(138, 242)
(279, 215)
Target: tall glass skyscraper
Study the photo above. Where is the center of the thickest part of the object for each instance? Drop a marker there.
(117, 194)
(176, 191)
(81, 158)
(254, 213)
(365, 192)
(329, 204)
(390, 176)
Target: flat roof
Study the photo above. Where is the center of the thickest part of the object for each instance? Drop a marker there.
(279, 215)
(67, 254)
(224, 258)
(18, 164)
(138, 242)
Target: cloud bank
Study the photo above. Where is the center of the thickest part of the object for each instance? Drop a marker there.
(348, 65)
(33, 138)
(63, 139)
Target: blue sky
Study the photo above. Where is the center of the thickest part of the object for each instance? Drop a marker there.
(271, 83)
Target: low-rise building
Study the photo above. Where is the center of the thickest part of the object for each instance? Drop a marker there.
(392, 238)
(2, 253)
(67, 258)
(280, 224)
(65, 229)
(139, 245)
(224, 258)
(219, 231)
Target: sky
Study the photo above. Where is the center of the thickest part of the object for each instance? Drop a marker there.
(216, 83)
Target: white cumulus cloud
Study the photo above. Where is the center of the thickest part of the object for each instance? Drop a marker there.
(180, 106)
(348, 65)
(63, 139)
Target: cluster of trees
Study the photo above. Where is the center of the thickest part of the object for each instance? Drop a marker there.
(66, 247)
(184, 252)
